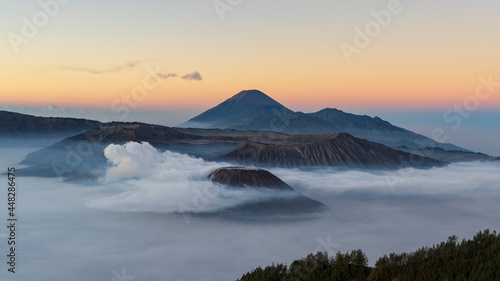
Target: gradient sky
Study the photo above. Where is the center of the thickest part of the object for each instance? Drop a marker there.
(430, 54)
(91, 53)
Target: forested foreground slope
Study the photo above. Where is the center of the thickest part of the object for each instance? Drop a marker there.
(475, 259)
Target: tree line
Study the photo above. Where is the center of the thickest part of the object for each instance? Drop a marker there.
(453, 260)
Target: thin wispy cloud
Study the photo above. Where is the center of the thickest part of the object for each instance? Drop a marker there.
(196, 76)
(192, 76)
(166, 75)
(115, 69)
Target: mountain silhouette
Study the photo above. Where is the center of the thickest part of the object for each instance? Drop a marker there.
(254, 110)
(249, 178)
(335, 150)
(277, 196)
(238, 109)
(22, 125)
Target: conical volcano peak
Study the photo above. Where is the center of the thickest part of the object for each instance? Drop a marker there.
(252, 97)
(237, 110)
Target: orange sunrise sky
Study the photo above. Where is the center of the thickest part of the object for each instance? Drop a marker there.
(89, 54)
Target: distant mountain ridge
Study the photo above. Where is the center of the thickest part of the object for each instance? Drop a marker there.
(21, 125)
(13, 124)
(335, 150)
(81, 157)
(254, 110)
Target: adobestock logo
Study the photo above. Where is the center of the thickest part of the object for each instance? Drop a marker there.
(31, 26)
(363, 37)
(222, 7)
(455, 117)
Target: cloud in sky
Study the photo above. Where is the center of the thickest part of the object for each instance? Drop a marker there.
(196, 76)
(114, 69)
(192, 76)
(166, 75)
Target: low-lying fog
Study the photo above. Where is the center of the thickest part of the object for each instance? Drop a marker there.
(125, 226)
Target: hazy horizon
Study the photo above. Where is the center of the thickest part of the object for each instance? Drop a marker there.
(480, 123)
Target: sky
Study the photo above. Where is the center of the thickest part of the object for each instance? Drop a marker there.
(188, 56)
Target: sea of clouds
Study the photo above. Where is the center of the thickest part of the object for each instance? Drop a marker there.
(128, 220)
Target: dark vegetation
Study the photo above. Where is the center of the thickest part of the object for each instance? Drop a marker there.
(468, 260)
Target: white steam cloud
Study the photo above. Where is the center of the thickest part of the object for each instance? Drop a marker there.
(149, 181)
